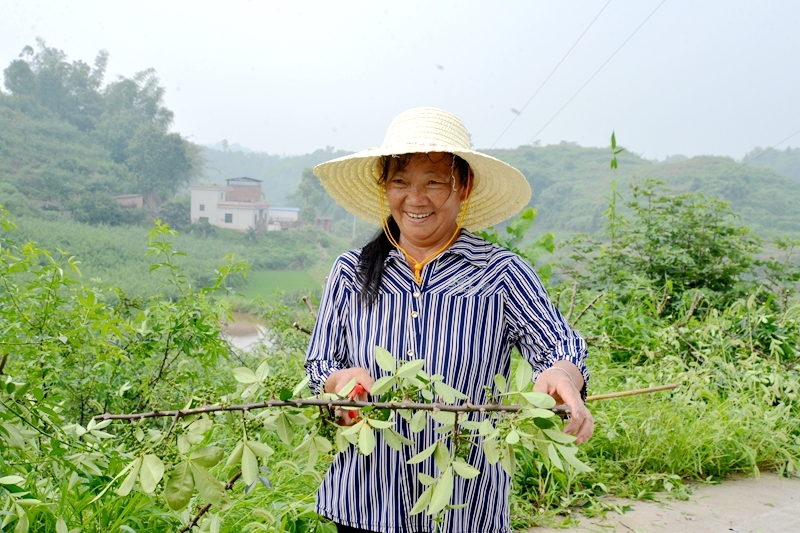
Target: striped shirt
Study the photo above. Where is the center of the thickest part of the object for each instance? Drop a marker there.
(476, 302)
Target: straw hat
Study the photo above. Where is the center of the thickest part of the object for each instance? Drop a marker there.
(500, 191)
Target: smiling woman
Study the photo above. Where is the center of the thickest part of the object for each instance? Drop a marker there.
(426, 288)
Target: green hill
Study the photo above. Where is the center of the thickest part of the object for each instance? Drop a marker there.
(570, 184)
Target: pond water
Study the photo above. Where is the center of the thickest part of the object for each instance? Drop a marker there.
(246, 331)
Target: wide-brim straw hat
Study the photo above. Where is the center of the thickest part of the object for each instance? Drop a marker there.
(499, 192)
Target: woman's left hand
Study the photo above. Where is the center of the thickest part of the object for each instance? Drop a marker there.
(561, 383)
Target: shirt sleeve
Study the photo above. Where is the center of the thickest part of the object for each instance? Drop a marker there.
(327, 351)
(538, 329)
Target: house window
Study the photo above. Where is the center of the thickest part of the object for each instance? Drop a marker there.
(202, 207)
(228, 218)
(204, 220)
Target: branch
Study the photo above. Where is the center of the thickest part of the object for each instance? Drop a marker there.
(310, 307)
(589, 306)
(3, 363)
(631, 392)
(299, 326)
(572, 301)
(204, 509)
(301, 402)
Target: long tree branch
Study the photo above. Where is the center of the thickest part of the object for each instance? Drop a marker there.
(204, 509)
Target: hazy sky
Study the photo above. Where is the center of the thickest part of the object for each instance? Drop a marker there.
(700, 77)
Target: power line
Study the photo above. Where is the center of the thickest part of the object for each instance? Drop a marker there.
(597, 72)
(518, 113)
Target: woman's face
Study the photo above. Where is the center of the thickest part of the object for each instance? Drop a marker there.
(423, 202)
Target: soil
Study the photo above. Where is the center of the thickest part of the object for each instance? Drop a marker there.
(767, 504)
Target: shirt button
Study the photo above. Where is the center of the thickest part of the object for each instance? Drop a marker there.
(410, 353)
(414, 314)
(417, 294)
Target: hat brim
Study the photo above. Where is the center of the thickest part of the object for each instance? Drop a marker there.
(499, 192)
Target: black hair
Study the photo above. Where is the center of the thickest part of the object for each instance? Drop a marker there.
(375, 252)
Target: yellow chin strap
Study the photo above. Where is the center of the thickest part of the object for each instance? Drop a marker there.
(419, 264)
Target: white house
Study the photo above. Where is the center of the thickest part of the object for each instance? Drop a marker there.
(238, 206)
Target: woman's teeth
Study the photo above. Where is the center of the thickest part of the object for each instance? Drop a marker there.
(418, 215)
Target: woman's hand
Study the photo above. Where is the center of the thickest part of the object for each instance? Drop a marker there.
(336, 382)
(563, 382)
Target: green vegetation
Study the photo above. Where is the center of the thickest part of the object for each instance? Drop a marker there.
(266, 283)
(786, 161)
(691, 305)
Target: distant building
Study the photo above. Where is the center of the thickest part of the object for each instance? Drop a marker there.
(324, 223)
(238, 206)
(130, 200)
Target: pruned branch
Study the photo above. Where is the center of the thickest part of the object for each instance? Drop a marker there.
(300, 327)
(305, 402)
(204, 509)
(631, 392)
(310, 307)
(588, 306)
(572, 301)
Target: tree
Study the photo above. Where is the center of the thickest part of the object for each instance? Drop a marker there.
(161, 162)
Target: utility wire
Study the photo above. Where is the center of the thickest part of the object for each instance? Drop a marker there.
(550, 75)
(737, 169)
(597, 72)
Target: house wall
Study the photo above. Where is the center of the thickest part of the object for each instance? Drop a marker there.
(244, 193)
(241, 217)
(284, 214)
(207, 197)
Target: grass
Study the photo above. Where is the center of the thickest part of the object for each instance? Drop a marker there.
(265, 283)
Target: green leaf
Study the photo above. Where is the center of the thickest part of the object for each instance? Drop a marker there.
(263, 450)
(448, 393)
(61, 526)
(422, 502)
(382, 385)
(207, 456)
(486, 427)
(179, 487)
(285, 429)
(559, 436)
(284, 394)
(236, 455)
(539, 413)
(11, 480)
(508, 461)
(323, 444)
(613, 140)
(207, 485)
(540, 399)
(262, 371)
(491, 450)
(441, 456)
(127, 485)
(446, 418)
(249, 465)
(347, 389)
(512, 437)
(385, 360)
(379, 424)
(22, 524)
(366, 440)
(300, 386)
(465, 470)
(390, 437)
(410, 369)
(523, 375)
(569, 456)
(418, 421)
(553, 455)
(425, 479)
(500, 383)
(424, 454)
(244, 375)
(151, 472)
(442, 492)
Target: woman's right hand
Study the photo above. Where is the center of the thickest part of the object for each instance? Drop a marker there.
(336, 382)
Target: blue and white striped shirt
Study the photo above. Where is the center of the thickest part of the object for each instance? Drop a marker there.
(477, 301)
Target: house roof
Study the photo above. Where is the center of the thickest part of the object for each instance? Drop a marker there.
(243, 180)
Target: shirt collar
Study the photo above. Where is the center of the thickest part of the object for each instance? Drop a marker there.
(468, 246)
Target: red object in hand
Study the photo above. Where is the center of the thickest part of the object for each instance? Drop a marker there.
(357, 391)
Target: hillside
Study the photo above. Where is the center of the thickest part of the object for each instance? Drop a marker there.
(280, 174)
(570, 184)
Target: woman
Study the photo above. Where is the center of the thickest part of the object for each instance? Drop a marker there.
(427, 288)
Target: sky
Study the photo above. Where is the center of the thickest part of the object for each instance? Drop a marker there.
(717, 77)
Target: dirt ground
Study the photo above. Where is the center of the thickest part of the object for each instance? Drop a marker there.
(767, 504)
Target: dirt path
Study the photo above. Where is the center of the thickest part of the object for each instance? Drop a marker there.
(768, 504)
